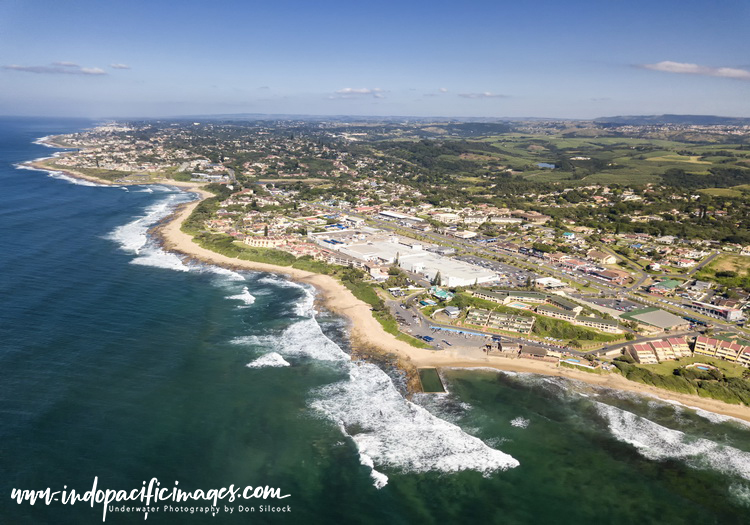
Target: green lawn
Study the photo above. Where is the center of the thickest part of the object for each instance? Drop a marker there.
(667, 367)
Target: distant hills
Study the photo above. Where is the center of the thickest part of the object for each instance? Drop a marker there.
(698, 120)
(633, 120)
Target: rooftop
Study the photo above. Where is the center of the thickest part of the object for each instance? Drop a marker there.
(655, 317)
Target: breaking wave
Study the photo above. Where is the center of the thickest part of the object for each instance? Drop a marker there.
(133, 236)
(388, 430)
(398, 434)
(657, 442)
(62, 176)
(269, 360)
(245, 296)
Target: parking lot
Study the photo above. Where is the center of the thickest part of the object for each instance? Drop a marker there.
(512, 277)
(622, 305)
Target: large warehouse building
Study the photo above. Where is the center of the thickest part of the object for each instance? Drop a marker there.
(409, 255)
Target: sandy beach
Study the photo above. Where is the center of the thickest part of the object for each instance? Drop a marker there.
(367, 332)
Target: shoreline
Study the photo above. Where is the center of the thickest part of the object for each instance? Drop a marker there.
(366, 332)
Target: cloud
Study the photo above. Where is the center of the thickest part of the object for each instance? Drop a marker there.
(357, 92)
(58, 68)
(443, 90)
(696, 69)
(119, 66)
(484, 94)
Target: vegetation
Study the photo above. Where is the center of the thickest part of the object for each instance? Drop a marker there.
(734, 390)
(731, 271)
(543, 326)
(566, 364)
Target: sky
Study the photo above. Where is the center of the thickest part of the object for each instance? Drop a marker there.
(475, 58)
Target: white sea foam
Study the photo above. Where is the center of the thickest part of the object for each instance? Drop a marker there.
(226, 273)
(303, 338)
(740, 493)
(520, 422)
(42, 142)
(253, 340)
(305, 307)
(245, 296)
(133, 236)
(278, 281)
(379, 479)
(657, 442)
(396, 433)
(158, 258)
(719, 418)
(269, 360)
(62, 176)
(387, 429)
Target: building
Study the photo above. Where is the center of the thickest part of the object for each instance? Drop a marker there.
(510, 296)
(353, 222)
(700, 286)
(267, 242)
(614, 276)
(603, 325)
(643, 354)
(680, 347)
(464, 234)
(452, 312)
(728, 350)
(441, 294)
(371, 246)
(497, 321)
(564, 304)
(705, 345)
(600, 257)
(549, 283)
(656, 318)
(395, 216)
(511, 323)
(535, 352)
(507, 349)
(532, 216)
(667, 286)
(735, 351)
(557, 313)
(663, 350)
(723, 312)
(442, 250)
(489, 295)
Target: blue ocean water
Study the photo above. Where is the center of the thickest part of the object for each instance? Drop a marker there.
(123, 362)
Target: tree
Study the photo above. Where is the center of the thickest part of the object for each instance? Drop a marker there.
(265, 231)
(437, 281)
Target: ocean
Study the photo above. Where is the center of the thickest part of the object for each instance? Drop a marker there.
(124, 363)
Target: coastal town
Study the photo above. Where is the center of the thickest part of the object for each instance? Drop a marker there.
(479, 239)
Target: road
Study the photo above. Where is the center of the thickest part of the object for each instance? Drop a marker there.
(532, 264)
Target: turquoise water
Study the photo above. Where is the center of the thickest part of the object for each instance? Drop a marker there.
(123, 362)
